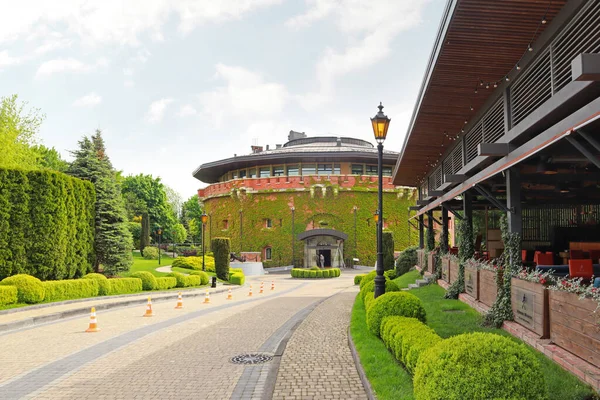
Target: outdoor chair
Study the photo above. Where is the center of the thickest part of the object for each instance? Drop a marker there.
(576, 254)
(545, 259)
(581, 269)
(595, 256)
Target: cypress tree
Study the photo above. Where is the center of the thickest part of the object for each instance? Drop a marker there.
(113, 241)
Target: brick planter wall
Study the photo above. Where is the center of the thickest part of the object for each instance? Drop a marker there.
(421, 258)
(446, 275)
(453, 270)
(472, 282)
(574, 325)
(487, 287)
(530, 306)
(431, 263)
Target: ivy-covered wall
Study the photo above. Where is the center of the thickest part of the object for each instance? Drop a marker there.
(318, 207)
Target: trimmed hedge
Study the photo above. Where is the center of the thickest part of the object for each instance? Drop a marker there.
(69, 289)
(394, 303)
(193, 262)
(193, 280)
(315, 273)
(125, 285)
(479, 366)
(358, 278)
(148, 280)
(221, 248)
(8, 295)
(237, 278)
(368, 278)
(406, 260)
(390, 286)
(203, 277)
(165, 282)
(407, 338)
(390, 274)
(102, 281)
(150, 253)
(180, 279)
(387, 247)
(29, 289)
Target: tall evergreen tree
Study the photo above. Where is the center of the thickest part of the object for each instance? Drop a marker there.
(113, 241)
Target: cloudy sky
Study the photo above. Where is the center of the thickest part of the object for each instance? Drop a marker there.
(177, 83)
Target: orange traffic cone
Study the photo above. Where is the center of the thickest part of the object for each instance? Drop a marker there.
(207, 298)
(93, 323)
(262, 285)
(272, 285)
(179, 301)
(149, 309)
(250, 294)
(229, 296)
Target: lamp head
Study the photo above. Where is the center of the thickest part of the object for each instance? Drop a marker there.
(204, 218)
(380, 123)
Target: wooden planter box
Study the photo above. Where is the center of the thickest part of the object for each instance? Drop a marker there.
(445, 269)
(453, 266)
(487, 287)
(421, 258)
(472, 282)
(530, 306)
(574, 326)
(431, 262)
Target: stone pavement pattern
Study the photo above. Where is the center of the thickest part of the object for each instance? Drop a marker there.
(318, 363)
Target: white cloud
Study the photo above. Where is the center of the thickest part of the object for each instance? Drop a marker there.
(7, 61)
(129, 83)
(89, 100)
(157, 109)
(245, 94)
(187, 110)
(73, 65)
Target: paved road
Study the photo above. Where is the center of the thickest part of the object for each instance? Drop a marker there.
(181, 354)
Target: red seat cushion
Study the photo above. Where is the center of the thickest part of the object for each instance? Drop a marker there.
(523, 255)
(581, 269)
(545, 259)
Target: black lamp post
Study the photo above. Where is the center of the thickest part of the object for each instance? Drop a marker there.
(293, 247)
(204, 219)
(380, 124)
(159, 232)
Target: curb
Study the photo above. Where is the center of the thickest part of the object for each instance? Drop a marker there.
(361, 372)
(43, 319)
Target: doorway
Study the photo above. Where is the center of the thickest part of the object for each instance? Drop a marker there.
(327, 256)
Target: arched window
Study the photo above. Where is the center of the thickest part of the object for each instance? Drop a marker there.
(268, 252)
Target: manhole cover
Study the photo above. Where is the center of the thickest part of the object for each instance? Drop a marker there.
(251, 359)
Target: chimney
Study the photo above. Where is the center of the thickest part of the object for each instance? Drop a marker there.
(339, 142)
(256, 149)
(267, 147)
(296, 135)
(277, 146)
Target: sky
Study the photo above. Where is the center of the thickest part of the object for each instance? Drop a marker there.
(174, 84)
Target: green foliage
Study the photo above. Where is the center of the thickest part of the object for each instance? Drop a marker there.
(479, 366)
(150, 253)
(113, 241)
(221, 248)
(145, 233)
(125, 285)
(181, 282)
(387, 247)
(390, 274)
(193, 280)
(135, 228)
(179, 233)
(166, 282)
(390, 286)
(203, 276)
(406, 260)
(102, 282)
(8, 295)
(429, 234)
(403, 304)
(46, 224)
(312, 274)
(70, 289)
(29, 289)
(195, 262)
(358, 278)
(466, 250)
(335, 210)
(145, 194)
(148, 280)
(315, 273)
(237, 278)
(315, 268)
(368, 278)
(49, 158)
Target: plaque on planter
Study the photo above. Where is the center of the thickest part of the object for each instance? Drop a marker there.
(445, 267)
(471, 282)
(524, 308)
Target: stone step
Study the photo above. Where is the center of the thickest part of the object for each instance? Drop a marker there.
(412, 286)
(422, 282)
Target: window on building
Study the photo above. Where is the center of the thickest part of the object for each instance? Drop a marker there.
(308, 169)
(371, 170)
(336, 169)
(225, 224)
(235, 174)
(268, 253)
(357, 169)
(268, 223)
(293, 170)
(278, 170)
(265, 172)
(386, 171)
(252, 173)
(324, 169)
(242, 173)
(230, 175)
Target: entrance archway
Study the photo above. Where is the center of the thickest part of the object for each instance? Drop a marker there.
(326, 242)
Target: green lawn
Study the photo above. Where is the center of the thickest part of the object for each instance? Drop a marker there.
(409, 277)
(141, 264)
(448, 318)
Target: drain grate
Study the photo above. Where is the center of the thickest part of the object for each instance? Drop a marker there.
(250, 359)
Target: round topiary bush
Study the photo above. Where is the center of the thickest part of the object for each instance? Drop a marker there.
(358, 278)
(394, 303)
(479, 366)
(150, 253)
(29, 289)
(203, 277)
(315, 268)
(312, 274)
(368, 278)
(181, 282)
(148, 280)
(320, 274)
(103, 283)
(390, 286)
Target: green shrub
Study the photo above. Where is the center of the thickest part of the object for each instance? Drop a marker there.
(338, 272)
(193, 280)
(236, 270)
(320, 274)
(312, 274)
(179, 277)
(390, 274)
(102, 281)
(387, 247)
(203, 277)
(194, 262)
(368, 300)
(358, 278)
(150, 253)
(315, 268)
(406, 260)
(479, 366)
(390, 286)
(8, 295)
(368, 278)
(403, 304)
(29, 289)
(125, 285)
(407, 338)
(69, 289)
(165, 282)
(221, 248)
(326, 273)
(148, 280)
(237, 279)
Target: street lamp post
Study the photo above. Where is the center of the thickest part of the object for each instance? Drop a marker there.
(159, 232)
(204, 219)
(380, 125)
(293, 247)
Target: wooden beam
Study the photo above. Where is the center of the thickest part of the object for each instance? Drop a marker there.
(455, 178)
(436, 193)
(586, 67)
(583, 150)
(494, 149)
